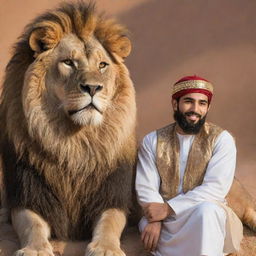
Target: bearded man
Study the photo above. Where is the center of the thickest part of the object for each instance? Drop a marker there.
(184, 173)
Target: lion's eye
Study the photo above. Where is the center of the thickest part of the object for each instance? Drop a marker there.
(68, 62)
(103, 64)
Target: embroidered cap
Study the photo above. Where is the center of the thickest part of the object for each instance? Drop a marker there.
(192, 84)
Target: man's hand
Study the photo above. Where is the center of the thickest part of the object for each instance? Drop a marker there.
(150, 235)
(157, 211)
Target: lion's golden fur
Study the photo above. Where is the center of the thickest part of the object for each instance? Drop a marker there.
(68, 154)
(243, 204)
(100, 146)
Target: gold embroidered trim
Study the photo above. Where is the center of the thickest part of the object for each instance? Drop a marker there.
(168, 155)
(192, 84)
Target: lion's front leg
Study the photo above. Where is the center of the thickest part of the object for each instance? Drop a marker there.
(33, 233)
(107, 233)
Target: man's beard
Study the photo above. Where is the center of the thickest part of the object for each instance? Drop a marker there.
(187, 127)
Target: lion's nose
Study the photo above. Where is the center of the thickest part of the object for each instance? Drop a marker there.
(91, 89)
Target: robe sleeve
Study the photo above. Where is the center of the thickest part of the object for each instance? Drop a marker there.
(217, 180)
(147, 178)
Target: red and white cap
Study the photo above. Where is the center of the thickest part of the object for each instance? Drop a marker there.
(192, 84)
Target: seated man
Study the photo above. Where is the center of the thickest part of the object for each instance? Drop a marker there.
(184, 173)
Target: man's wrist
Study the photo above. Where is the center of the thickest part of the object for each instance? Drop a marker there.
(169, 210)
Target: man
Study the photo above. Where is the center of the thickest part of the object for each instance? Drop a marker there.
(184, 172)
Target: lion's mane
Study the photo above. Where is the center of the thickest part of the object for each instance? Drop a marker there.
(82, 166)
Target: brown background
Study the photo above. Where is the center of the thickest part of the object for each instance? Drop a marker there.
(215, 39)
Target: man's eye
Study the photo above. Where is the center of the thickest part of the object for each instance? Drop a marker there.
(103, 65)
(68, 62)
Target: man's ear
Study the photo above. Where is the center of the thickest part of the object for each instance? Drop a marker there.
(174, 104)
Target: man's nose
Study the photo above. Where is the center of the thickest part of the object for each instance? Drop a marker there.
(195, 107)
(90, 89)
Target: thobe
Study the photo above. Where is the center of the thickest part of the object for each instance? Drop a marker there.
(198, 225)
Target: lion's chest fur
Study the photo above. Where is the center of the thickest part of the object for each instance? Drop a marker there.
(68, 199)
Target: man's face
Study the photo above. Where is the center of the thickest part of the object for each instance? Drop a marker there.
(190, 112)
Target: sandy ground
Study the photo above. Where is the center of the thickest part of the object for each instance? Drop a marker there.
(130, 243)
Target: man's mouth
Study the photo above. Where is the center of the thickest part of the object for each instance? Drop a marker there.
(88, 107)
(193, 116)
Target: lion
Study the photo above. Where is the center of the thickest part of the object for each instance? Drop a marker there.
(68, 118)
(67, 142)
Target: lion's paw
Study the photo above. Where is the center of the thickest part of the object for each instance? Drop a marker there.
(98, 249)
(30, 252)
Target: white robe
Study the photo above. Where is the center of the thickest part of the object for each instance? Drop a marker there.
(198, 226)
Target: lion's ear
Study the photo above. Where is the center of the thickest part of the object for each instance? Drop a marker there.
(113, 37)
(43, 38)
(122, 46)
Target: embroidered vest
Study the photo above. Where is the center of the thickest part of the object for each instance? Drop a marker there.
(167, 158)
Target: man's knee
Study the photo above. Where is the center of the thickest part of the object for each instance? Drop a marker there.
(210, 210)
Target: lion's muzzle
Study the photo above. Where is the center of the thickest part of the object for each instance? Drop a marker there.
(90, 89)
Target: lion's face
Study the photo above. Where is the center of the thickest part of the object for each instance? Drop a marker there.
(80, 79)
